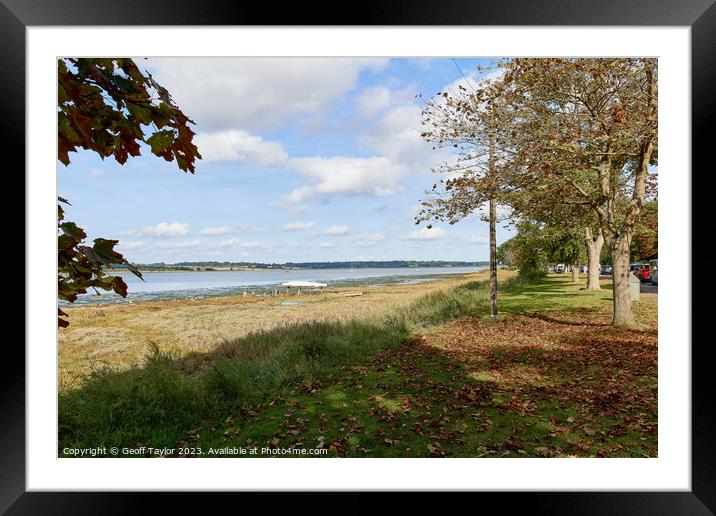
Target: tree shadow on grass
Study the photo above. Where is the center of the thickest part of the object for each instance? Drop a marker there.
(577, 322)
(586, 393)
(595, 390)
(370, 390)
(465, 398)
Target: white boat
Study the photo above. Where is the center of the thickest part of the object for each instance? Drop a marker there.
(303, 284)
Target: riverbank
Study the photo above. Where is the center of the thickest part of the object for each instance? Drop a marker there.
(117, 335)
(192, 285)
(549, 377)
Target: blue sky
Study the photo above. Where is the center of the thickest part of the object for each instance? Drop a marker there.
(305, 160)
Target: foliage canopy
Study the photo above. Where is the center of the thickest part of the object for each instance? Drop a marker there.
(110, 107)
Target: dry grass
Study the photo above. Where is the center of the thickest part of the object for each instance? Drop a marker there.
(119, 335)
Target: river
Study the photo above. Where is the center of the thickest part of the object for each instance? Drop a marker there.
(202, 284)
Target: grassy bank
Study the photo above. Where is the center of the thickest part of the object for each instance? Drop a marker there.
(118, 335)
(433, 377)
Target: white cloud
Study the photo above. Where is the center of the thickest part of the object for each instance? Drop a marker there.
(258, 93)
(227, 230)
(425, 233)
(131, 245)
(394, 137)
(371, 240)
(233, 242)
(300, 194)
(337, 230)
(300, 210)
(400, 151)
(256, 245)
(229, 242)
(397, 136)
(479, 239)
(161, 230)
(216, 231)
(236, 145)
(298, 226)
(326, 245)
(397, 133)
(373, 100)
(190, 244)
(348, 176)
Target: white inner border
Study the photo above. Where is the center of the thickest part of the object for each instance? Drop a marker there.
(671, 470)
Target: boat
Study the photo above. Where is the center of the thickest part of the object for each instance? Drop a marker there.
(303, 284)
(307, 284)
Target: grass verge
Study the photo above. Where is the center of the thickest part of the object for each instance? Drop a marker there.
(436, 378)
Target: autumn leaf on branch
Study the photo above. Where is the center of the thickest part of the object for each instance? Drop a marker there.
(81, 267)
(110, 107)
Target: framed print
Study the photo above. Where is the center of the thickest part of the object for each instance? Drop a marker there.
(416, 249)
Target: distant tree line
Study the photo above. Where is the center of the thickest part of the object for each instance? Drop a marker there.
(391, 264)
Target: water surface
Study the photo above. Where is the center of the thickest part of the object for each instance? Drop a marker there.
(202, 284)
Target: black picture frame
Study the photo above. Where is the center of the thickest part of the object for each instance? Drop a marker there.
(699, 15)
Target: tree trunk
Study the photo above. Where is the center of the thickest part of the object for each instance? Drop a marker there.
(575, 273)
(493, 234)
(493, 258)
(620, 244)
(622, 298)
(594, 251)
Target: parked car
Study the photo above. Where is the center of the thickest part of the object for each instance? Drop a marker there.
(584, 269)
(606, 269)
(559, 269)
(641, 271)
(654, 272)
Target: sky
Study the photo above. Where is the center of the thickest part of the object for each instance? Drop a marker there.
(304, 159)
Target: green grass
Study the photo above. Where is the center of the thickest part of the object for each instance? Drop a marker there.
(382, 388)
(552, 293)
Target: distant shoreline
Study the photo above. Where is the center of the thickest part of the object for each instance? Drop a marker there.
(262, 283)
(252, 266)
(212, 269)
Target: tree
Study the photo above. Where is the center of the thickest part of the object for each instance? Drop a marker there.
(594, 241)
(565, 245)
(506, 254)
(537, 244)
(645, 244)
(110, 107)
(589, 127)
(80, 267)
(577, 219)
(532, 249)
(466, 123)
(575, 131)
